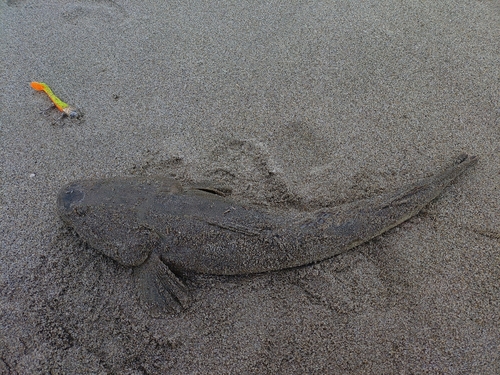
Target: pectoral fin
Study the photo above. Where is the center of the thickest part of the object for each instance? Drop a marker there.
(159, 289)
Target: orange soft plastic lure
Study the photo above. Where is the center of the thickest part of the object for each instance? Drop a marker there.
(65, 108)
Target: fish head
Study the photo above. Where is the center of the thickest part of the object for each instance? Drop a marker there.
(111, 216)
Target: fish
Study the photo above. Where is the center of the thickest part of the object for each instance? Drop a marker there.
(166, 231)
(65, 108)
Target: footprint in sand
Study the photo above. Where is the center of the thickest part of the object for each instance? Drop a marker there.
(93, 10)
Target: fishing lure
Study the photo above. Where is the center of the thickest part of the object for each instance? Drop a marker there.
(65, 108)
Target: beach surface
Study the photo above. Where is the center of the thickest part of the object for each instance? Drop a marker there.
(304, 104)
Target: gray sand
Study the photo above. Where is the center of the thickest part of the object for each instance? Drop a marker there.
(313, 104)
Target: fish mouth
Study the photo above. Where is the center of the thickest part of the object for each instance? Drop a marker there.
(69, 197)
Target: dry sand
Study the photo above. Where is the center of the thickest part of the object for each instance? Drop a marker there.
(316, 103)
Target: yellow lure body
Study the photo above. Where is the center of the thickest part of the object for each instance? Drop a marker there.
(60, 105)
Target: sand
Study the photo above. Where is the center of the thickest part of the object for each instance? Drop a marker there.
(303, 103)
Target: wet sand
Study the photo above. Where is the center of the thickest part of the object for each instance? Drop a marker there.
(310, 105)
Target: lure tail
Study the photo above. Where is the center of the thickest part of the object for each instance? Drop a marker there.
(38, 86)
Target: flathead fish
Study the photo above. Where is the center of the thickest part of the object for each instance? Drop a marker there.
(165, 230)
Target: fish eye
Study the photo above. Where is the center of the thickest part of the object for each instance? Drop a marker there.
(71, 196)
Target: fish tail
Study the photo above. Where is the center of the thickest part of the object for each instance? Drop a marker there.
(341, 228)
(429, 188)
(396, 208)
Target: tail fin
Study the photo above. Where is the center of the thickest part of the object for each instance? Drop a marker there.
(427, 189)
(341, 228)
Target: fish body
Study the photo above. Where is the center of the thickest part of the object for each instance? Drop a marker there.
(163, 229)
